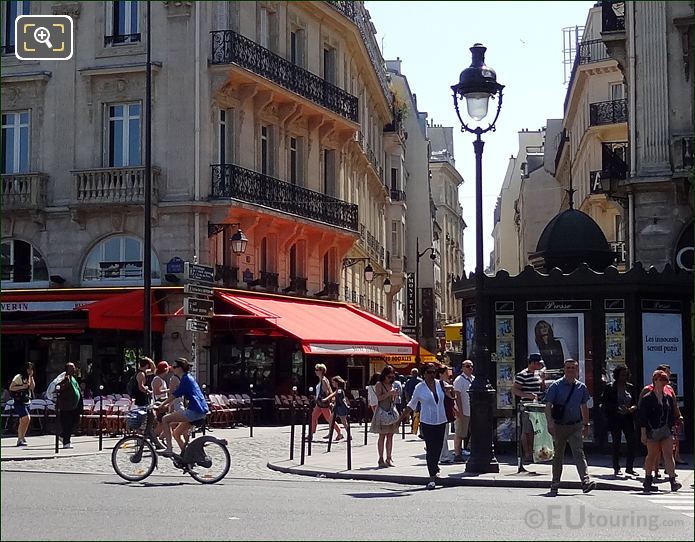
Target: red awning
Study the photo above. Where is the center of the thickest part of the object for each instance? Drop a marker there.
(123, 312)
(325, 327)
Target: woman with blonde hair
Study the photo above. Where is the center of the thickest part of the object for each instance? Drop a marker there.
(341, 407)
(386, 418)
(322, 406)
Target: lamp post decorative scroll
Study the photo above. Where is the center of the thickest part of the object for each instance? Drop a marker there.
(478, 84)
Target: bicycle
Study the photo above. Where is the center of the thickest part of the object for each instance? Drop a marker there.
(206, 458)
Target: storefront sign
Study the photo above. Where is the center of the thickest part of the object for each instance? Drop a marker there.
(175, 265)
(559, 305)
(614, 304)
(685, 250)
(410, 300)
(357, 349)
(661, 305)
(31, 306)
(662, 342)
(504, 306)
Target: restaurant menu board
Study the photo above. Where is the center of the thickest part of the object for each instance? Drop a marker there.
(504, 334)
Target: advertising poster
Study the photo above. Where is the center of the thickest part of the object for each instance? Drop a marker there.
(615, 337)
(505, 398)
(506, 430)
(662, 342)
(504, 326)
(505, 374)
(470, 331)
(557, 337)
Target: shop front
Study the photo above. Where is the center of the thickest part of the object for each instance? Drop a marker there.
(98, 330)
(274, 342)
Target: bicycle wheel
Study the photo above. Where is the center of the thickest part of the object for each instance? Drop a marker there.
(215, 467)
(133, 458)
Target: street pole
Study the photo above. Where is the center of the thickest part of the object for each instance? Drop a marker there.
(417, 301)
(482, 394)
(147, 256)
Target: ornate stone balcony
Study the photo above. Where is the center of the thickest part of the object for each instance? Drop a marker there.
(608, 112)
(124, 185)
(24, 191)
(229, 47)
(235, 182)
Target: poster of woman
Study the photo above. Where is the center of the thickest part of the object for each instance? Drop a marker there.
(557, 337)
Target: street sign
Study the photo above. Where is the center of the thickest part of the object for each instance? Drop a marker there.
(197, 289)
(408, 330)
(192, 306)
(199, 273)
(197, 326)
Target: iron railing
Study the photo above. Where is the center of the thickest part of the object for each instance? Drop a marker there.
(24, 190)
(124, 185)
(297, 284)
(608, 112)
(587, 52)
(397, 195)
(268, 280)
(346, 7)
(228, 275)
(612, 16)
(232, 181)
(229, 47)
(121, 39)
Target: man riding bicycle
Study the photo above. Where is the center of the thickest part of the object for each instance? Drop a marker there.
(196, 409)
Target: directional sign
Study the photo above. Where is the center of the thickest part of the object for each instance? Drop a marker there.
(192, 306)
(197, 326)
(199, 273)
(197, 289)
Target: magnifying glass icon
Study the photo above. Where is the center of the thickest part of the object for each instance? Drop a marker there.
(42, 35)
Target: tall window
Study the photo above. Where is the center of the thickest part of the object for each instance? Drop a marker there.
(264, 150)
(15, 142)
(617, 91)
(10, 10)
(21, 263)
(618, 229)
(329, 173)
(118, 259)
(263, 27)
(329, 64)
(394, 178)
(295, 162)
(264, 254)
(122, 24)
(225, 137)
(396, 239)
(124, 135)
(297, 47)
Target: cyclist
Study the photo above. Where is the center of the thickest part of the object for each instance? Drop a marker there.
(196, 409)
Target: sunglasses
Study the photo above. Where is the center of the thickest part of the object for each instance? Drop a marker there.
(662, 379)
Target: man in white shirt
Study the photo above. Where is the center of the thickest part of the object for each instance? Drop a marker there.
(463, 408)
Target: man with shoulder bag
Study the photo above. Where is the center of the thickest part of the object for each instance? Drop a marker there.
(568, 422)
(68, 401)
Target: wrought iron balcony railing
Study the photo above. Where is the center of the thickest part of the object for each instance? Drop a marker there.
(24, 191)
(268, 280)
(330, 290)
(228, 275)
(612, 16)
(587, 52)
(229, 47)
(397, 195)
(609, 112)
(231, 181)
(297, 284)
(347, 7)
(121, 39)
(120, 270)
(124, 185)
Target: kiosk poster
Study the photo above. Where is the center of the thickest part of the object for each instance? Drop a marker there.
(557, 337)
(662, 342)
(505, 398)
(505, 338)
(506, 430)
(615, 337)
(505, 374)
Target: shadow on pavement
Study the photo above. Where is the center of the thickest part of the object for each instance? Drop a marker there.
(147, 484)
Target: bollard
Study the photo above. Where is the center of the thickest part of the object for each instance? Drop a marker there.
(251, 411)
(366, 411)
(309, 413)
(57, 417)
(292, 403)
(330, 431)
(349, 444)
(206, 398)
(101, 412)
(402, 426)
(304, 417)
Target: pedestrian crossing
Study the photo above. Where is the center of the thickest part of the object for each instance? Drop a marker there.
(682, 501)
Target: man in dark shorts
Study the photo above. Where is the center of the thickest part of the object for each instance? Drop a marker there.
(528, 384)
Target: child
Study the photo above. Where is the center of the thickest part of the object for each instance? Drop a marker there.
(342, 407)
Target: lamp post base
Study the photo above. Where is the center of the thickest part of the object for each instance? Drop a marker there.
(482, 459)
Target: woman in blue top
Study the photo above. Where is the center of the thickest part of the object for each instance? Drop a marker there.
(196, 407)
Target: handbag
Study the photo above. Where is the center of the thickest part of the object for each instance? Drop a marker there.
(386, 417)
(659, 433)
(321, 399)
(448, 406)
(558, 411)
(21, 396)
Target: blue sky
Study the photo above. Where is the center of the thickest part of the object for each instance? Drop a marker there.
(524, 42)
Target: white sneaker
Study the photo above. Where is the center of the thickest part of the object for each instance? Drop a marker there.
(68, 446)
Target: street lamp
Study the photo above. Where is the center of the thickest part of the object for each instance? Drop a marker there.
(238, 240)
(418, 255)
(478, 84)
(147, 244)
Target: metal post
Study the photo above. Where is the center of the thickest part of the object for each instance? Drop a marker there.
(309, 412)
(519, 453)
(206, 398)
(101, 412)
(349, 443)
(292, 414)
(57, 416)
(147, 255)
(366, 411)
(304, 440)
(417, 301)
(251, 411)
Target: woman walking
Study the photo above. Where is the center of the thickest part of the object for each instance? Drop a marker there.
(444, 375)
(21, 388)
(385, 420)
(430, 394)
(323, 406)
(619, 403)
(341, 407)
(656, 417)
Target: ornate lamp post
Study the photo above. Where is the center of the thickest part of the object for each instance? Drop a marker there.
(478, 84)
(419, 255)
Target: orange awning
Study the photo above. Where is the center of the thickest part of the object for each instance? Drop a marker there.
(327, 327)
(122, 311)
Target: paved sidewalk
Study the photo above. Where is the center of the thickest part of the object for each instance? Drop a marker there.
(411, 467)
(43, 447)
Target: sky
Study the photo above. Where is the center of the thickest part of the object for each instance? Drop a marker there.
(524, 46)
